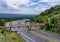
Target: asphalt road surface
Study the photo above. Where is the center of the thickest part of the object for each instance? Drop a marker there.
(30, 37)
(47, 33)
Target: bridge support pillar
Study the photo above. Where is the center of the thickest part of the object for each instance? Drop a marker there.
(10, 28)
(29, 28)
(18, 27)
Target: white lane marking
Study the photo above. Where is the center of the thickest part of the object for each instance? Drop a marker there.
(23, 37)
(26, 39)
(27, 36)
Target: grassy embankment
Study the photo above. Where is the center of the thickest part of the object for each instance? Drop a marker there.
(7, 36)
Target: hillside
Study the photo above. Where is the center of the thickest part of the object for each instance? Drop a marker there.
(8, 36)
(51, 17)
(52, 11)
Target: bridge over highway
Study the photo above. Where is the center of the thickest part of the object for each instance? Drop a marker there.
(24, 25)
(35, 35)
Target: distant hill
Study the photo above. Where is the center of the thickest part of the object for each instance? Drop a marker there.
(3, 15)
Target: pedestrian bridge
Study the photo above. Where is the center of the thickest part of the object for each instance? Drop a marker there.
(25, 25)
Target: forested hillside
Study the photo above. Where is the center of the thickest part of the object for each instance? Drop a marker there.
(51, 18)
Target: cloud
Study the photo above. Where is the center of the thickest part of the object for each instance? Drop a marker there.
(17, 1)
(49, 0)
(29, 6)
(14, 7)
(14, 3)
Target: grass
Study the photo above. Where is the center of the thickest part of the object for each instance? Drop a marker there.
(6, 36)
(25, 28)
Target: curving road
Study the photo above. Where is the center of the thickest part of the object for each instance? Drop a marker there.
(30, 37)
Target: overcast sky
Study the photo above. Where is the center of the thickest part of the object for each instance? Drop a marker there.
(26, 6)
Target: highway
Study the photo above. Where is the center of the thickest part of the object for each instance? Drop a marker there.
(31, 37)
(46, 33)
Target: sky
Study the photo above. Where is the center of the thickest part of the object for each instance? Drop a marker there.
(26, 6)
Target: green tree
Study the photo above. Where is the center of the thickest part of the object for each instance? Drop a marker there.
(2, 22)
